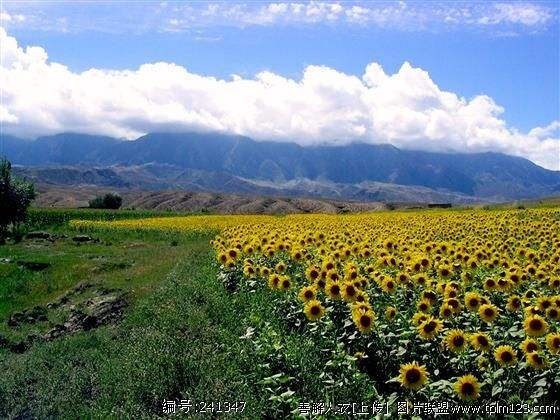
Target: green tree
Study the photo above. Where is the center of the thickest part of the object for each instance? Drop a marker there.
(15, 197)
(107, 201)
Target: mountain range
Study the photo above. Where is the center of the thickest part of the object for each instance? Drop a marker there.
(237, 164)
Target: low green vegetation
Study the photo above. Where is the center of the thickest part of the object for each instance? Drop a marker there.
(184, 334)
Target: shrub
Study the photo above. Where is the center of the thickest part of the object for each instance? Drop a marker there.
(15, 197)
(108, 201)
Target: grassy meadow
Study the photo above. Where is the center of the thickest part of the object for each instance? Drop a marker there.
(109, 313)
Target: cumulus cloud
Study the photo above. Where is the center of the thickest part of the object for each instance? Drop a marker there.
(325, 106)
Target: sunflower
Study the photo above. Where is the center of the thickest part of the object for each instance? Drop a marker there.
(455, 340)
(529, 345)
(390, 313)
(505, 355)
(307, 293)
(446, 311)
(514, 303)
(481, 341)
(413, 376)
(333, 289)
(429, 328)
(553, 343)
(232, 253)
(553, 313)
(274, 281)
(312, 273)
(361, 297)
(419, 317)
(420, 279)
(349, 292)
(467, 387)
(333, 275)
(535, 360)
(314, 310)
(423, 306)
(364, 321)
(264, 271)
(472, 301)
(489, 284)
(444, 271)
(535, 326)
(280, 267)
(488, 312)
(388, 285)
(285, 283)
(222, 258)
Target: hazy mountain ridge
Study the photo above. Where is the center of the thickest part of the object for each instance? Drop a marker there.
(217, 162)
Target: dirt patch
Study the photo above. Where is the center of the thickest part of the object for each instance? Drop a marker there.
(30, 316)
(34, 265)
(95, 312)
(84, 307)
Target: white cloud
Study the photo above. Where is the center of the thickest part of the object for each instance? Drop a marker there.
(528, 14)
(513, 17)
(406, 108)
(5, 17)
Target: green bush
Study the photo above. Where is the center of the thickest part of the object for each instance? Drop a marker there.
(108, 201)
(15, 197)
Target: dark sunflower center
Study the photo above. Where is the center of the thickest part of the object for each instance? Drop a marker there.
(489, 312)
(535, 324)
(467, 389)
(531, 347)
(473, 302)
(412, 375)
(507, 357)
(315, 310)
(556, 342)
(365, 321)
(483, 341)
(537, 359)
(458, 341)
(308, 294)
(430, 327)
(335, 290)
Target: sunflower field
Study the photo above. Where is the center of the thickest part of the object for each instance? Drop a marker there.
(426, 305)
(447, 304)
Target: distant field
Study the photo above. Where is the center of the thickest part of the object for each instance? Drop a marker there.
(135, 307)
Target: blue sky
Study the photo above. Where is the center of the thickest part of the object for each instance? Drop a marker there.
(508, 51)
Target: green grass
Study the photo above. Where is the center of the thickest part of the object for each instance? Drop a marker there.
(184, 336)
(123, 260)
